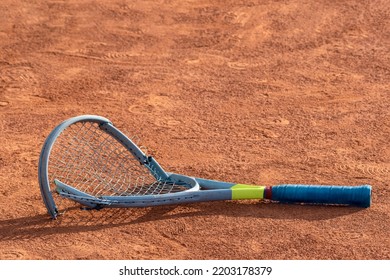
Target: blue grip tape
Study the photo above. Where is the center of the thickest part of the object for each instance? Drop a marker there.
(316, 194)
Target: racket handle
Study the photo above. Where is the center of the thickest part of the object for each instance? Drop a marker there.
(359, 196)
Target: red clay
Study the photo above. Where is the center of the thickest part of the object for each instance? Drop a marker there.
(257, 92)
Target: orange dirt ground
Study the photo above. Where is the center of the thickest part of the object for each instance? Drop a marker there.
(257, 92)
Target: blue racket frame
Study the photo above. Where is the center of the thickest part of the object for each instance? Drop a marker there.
(197, 189)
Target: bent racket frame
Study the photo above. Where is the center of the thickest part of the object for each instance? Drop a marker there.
(87, 160)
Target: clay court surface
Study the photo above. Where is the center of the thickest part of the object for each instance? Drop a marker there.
(255, 92)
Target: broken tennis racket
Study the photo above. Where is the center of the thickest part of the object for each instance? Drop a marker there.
(87, 160)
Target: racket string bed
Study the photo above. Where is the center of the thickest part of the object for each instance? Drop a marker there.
(93, 162)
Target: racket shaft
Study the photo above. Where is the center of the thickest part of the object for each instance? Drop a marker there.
(312, 194)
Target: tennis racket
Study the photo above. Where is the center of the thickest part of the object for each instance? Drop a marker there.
(87, 160)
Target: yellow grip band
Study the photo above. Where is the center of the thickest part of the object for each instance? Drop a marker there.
(241, 191)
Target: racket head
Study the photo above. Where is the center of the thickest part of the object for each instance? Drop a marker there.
(91, 155)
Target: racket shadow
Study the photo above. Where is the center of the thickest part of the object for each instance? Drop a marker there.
(76, 220)
(261, 210)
